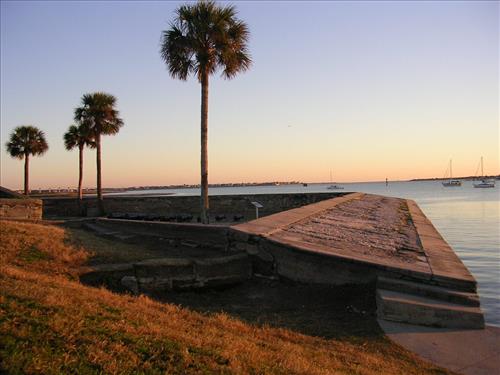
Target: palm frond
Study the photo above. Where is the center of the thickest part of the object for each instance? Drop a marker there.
(26, 140)
(203, 38)
(97, 115)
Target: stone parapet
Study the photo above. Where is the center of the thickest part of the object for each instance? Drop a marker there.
(21, 208)
(223, 208)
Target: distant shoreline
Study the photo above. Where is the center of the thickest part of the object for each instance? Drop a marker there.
(72, 192)
(467, 178)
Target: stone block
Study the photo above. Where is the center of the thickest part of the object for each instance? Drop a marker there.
(238, 264)
(187, 284)
(106, 274)
(252, 249)
(216, 282)
(261, 267)
(165, 268)
(154, 284)
(238, 235)
(239, 246)
(130, 283)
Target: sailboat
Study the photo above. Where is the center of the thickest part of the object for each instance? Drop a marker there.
(451, 182)
(483, 182)
(333, 186)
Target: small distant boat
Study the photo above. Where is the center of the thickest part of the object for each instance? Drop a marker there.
(483, 182)
(451, 182)
(304, 184)
(333, 186)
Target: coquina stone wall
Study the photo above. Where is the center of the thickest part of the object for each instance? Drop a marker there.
(24, 208)
(222, 207)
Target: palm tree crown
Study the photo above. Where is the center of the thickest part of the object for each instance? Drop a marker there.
(26, 140)
(78, 136)
(204, 37)
(98, 113)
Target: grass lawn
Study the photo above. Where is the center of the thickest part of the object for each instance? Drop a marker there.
(52, 324)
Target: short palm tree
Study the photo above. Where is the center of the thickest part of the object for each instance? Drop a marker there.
(203, 38)
(79, 136)
(25, 141)
(99, 114)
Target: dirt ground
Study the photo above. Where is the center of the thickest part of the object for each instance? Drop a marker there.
(346, 312)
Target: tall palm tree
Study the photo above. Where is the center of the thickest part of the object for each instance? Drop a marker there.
(79, 136)
(99, 114)
(203, 38)
(25, 141)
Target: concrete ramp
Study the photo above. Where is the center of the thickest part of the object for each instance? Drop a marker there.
(361, 239)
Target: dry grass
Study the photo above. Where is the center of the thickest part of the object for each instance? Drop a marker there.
(50, 324)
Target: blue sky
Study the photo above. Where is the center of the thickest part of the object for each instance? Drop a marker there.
(368, 89)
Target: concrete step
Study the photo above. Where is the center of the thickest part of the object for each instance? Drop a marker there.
(418, 310)
(101, 231)
(431, 291)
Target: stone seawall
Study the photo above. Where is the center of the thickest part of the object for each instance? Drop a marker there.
(222, 207)
(199, 235)
(23, 208)
(363, 238)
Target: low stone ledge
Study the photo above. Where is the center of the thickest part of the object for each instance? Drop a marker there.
(206, 236)
(157, 275)
(228, 266)
(165, 268)
(106, 274)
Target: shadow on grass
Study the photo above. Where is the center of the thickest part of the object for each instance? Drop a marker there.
(341, 312)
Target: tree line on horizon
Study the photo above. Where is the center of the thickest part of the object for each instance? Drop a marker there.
(202, 39)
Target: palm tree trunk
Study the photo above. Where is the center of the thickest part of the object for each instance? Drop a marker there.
(80, 179)
(204, 149)
(26, 173)
(100, 203)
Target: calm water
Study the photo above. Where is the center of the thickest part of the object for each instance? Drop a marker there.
(468, 218)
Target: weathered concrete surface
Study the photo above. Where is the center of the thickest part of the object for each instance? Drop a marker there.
(430, 291)
(389, 234)
(469, 352)
(415, 309)
(358, 238)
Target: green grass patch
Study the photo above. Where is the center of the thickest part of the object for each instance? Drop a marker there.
(33, 254)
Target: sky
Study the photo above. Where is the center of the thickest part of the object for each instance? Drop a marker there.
(367, 90)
